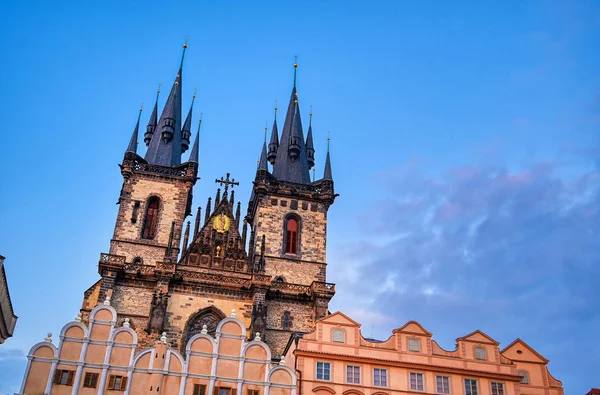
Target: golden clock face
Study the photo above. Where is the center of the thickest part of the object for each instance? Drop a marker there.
(221, 223)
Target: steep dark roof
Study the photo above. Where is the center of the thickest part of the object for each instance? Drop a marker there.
(132, 147)
(327, 173)
(262, 163)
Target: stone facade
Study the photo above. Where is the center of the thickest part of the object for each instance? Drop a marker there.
(101, 358)
(336, 359)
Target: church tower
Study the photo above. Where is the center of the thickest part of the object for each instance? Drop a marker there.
(268, 269)
(287, 214)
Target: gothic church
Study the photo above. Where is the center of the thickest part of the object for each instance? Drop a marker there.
(269, 265)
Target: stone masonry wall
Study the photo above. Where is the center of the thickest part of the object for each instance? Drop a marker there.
(173, 194)
(313, 227)
(301, 320)
(131, 300)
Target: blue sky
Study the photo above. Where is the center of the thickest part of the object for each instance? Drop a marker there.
(464, 146)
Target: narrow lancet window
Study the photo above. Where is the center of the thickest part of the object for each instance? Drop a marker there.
(151, 219)
(291, 241)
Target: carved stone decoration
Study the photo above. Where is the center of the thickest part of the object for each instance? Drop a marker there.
(259, 319)
(157, 313)
(206, 319)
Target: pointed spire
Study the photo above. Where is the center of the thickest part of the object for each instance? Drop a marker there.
(186, 238)
(291, 163)
(238, 213)
(134, 136)
(232, 198)
(208, 208)
(295, 69)
(196, 147)
(327, 173)
(164, 148)
(274, 142)
(262, 162)
(197, 223)
(153, 120)
(310, 148)
(244, 232)
(186, 130)
(218, 198)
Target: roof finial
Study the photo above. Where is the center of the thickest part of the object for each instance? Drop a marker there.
(314, 173)
(275, 109)
(266, 128)
(158, 91)
(295, 69)
(328, 139)
(310, 116)
(200, 122)
(183, 54)
(194, 96)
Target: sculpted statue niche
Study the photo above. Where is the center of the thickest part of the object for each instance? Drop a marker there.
(210, 316)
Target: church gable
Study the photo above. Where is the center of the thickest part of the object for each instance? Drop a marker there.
(521, 351)
(478, 337)
(414, 328)
(339, 319)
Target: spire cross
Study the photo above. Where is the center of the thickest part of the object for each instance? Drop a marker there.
(328, 139)
(227, 182)
(266, 128)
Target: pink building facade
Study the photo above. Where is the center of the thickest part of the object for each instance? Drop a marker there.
(337, 359)
(102, 358)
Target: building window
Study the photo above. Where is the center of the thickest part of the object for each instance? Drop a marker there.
(414, 345)
(497, 388)
(287, 320)
(323, 371)
(224, 391)
(480, 353)
(199, 389)
(90, 380)
(470, 387)
(117, 383)
(416, 382)
(291, 236)
(380, 377)
(151, 219)
(442, 384)
(252, 392)
(279, 280)
(524, 376)
(63, 377)
(353, 374)
(338, 336)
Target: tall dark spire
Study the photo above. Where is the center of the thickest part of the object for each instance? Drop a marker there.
(196, 147)
(134, 136)
(327, 173)
(274, 142)
(310, 148)
(186, 130)
(165, 145)
(153, 120)
(291, 163)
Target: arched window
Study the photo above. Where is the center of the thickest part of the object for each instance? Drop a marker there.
(151, 219)
(291, 236)
(137, 260)
(279, 279)
(286, 320)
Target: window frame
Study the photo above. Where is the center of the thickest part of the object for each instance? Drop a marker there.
(385, 371)
(113, 378)
(501, 384)
(199, 389)
(437, 391)
(471, 389)
(414, 339)
(482, 350)
(286, 321)
(286, 238)
(68, 379)
(353, 367)
(323, 363)
(410, 383)
(90, 381)
(252, 392)
(144, 234)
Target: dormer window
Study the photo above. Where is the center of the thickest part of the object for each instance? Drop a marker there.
(151, 218)
(414, 345)
(480, 353)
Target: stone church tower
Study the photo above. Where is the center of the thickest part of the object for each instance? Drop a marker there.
(270, 267)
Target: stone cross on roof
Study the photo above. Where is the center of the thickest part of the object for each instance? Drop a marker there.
(225, 181)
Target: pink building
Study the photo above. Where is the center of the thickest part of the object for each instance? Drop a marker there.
(337, 359)
(102, 359)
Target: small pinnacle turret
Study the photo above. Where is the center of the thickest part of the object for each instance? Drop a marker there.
(186, 130)
(196, 147)
(134, 136)
(153, 120)
(310, 148)
(165, 145)
(274, 142)
(327, 175)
